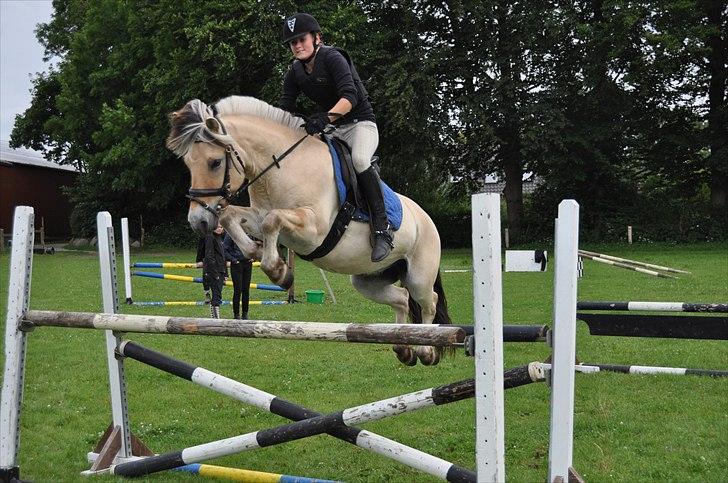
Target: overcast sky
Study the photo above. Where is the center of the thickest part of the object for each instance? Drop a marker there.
(21, 56)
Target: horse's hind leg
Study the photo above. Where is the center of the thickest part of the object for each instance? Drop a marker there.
(426, 298)
(381, 290)
(420, 280)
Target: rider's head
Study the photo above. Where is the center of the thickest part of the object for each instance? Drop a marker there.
(302, 33)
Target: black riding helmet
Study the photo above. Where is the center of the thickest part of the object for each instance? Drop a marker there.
(297, 26)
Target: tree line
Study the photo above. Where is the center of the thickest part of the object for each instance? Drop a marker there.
(618, 104)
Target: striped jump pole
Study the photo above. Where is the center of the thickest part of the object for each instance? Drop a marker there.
(651, 370)
(374, 411)
(186, 278)
(654, 306)
(631, 262)
(173, 303)
(174, 265)
(245, 476)
(516, 333)
(428, 334)
(591, 368)
(624, 265)
(281, 407)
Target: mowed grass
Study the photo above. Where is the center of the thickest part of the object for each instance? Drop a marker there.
(628, 428)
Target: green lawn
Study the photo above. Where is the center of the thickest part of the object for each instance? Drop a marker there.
(628, 428)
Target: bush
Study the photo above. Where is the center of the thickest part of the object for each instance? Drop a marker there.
(171, 234)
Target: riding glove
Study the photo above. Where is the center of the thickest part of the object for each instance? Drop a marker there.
(316, 123)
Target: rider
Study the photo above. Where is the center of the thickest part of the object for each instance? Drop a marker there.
(329, 78)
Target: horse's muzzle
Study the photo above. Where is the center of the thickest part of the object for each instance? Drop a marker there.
(201, 220)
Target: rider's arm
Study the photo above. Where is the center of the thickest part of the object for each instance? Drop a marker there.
(290, 92)
(342, 107)
(340, 72)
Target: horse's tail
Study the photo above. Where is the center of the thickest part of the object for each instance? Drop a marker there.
(441, 314)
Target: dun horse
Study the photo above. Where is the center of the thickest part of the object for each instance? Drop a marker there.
(295, 203)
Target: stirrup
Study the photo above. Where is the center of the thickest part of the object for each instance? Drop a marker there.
(380, 250)
(384, 234)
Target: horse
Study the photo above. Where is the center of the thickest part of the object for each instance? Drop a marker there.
(236, 144)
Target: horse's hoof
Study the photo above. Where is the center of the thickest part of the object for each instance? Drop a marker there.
(428, 355)
(405, 355)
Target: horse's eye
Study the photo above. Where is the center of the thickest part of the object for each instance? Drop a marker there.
(215, 163)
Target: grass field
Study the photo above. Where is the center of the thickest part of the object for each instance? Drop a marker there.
(628, 428)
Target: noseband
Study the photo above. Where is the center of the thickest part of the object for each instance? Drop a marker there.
(224, 191)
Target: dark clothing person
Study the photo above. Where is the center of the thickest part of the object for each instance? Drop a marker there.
(327, 76)
(241, 271)
(212, 255)
(332, 78)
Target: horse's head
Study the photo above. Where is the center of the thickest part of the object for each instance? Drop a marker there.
(213, 157)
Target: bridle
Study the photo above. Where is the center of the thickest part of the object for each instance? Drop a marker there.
(224, 192)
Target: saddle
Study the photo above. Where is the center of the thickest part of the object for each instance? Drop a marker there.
(352, 204)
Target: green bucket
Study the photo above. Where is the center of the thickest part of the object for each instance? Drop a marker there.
(315, 296)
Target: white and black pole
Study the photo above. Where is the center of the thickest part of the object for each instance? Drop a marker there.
(268, 402)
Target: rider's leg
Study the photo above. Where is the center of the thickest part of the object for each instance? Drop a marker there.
(363, 138)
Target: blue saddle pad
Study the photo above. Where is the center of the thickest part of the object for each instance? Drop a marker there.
(392, 203)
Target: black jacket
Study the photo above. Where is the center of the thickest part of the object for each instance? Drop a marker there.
(232, 252)
(333, 77)
(211, 253)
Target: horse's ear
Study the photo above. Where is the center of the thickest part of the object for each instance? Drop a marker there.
(213, 125)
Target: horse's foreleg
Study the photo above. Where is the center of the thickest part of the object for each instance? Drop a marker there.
(297, 222)
(238, 221)
(384, 292)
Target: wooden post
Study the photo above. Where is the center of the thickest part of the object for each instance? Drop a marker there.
(291, 262)
(127, 259)
(328, 286)
(564, 342)
(117, 384)
(141, 232)
(506, 238)
(21, 268)
(42, 233)
(629, 234)
(488, 332)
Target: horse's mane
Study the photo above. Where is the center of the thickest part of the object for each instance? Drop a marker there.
(189, 123)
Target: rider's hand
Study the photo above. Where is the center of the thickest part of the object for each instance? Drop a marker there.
(316, 123)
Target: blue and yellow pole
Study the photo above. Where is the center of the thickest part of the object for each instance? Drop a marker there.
(186, 278)
(247, 476)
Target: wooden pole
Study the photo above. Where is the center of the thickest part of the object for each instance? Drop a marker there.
(629, 234)
(435, 335)
(328, 286)
(291, 262)
(631, 262)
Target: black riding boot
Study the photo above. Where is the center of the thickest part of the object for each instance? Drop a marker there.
(381, 239)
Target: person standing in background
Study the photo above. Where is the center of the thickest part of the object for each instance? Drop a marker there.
(212, 255)
(241, 271)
